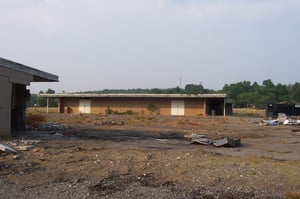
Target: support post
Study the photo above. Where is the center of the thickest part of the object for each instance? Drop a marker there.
(224, 107)
(47, 105)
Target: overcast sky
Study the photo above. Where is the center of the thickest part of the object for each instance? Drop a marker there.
(98, 44)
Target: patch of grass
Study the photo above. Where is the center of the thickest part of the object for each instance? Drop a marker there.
(109, 111)
(249, 112)
(152, 109)
(41, 110)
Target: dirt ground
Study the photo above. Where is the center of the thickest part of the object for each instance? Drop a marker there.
(96, 156)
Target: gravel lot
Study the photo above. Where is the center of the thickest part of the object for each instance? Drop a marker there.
(149, 157)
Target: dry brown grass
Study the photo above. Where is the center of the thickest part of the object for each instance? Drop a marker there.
(35, 120)
(35, 110)
(249, 112)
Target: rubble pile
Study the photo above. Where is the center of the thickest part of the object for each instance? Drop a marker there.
(104, 122)
(13, 147)
(222, 142)
(52, 127)
(282, 119)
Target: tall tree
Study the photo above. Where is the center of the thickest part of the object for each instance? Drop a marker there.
(194, 89)
(42, 101)
(295, 93)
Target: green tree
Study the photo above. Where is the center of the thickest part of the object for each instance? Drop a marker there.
(194, 89)
(263, 100)
(42, 101)
(268, 83)
(295, 93)
(233, 90)
(32, 100)
(245, 98)
(282, 93)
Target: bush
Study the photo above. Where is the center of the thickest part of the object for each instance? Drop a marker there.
(152, 109)
(34, 120)
(109, 111)
(129, 112)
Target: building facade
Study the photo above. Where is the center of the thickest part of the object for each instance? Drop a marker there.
(14, 78)
(162, 104)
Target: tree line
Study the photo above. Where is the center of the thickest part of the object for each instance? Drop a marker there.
(244, 93)
(37, 101)
(240, 94)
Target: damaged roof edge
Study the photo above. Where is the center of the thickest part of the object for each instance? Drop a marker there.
(38, 75)
(91, 95)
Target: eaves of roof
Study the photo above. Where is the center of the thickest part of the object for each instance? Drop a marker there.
(38, 75)
(131, 95)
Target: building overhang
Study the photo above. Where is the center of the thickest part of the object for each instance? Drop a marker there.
(125, 95)
(37, 75)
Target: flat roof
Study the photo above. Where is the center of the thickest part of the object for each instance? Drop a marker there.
(131, 95)
(38, 75)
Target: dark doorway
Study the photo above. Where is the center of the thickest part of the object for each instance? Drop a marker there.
(18, 106)
(215, 106)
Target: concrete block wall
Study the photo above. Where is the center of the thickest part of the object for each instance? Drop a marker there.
(5, 106)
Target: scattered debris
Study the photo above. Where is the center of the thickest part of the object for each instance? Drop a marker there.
(23, 142)
(162, 140)
(291, 122)
(7, 149)
(202, 139)
(52, 127)
(25, 148)
(227, 142)
(194, 136)
(281, 119)
(269, 123)
(223, 142)
(22, 145)
(103, 122)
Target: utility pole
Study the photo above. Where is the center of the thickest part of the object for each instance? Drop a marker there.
(180, 82)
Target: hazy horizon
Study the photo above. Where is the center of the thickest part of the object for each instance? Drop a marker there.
(128, 44)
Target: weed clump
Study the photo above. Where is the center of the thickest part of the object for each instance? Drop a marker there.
(35, 120)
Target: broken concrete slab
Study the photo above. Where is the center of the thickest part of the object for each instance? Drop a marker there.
(227, 142)
(202, 140)
(25, 148)
(269, 123)
(7, 149)
(281, 119)
(291, 122)
(194, 136)
(224, 142)
(22, 142)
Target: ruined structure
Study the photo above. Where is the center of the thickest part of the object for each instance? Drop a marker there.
(14, 78)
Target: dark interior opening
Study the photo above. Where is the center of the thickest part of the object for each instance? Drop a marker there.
(215, 106)
(18, 107)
